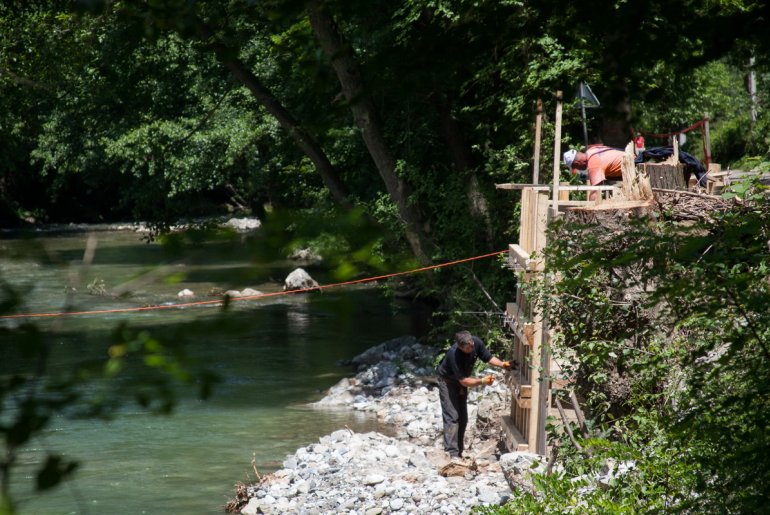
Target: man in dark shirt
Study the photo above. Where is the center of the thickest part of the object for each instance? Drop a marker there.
(454, 379)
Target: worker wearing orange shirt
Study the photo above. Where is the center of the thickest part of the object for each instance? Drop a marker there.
(601, 162)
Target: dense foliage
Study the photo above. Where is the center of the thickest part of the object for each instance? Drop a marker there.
(666, 331)
(410, 112)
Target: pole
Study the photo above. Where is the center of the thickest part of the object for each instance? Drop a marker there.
(583, 112)
(544, 390)
(706, 141)
(538, 132)
(556, 155)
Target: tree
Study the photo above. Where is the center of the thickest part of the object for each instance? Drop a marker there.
(368, 120)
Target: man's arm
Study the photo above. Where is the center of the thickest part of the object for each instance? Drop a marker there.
(501, 364)
(472, 382)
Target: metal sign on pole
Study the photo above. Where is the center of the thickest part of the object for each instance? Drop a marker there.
(587, 100)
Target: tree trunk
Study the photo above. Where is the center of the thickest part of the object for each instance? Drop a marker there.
(304, 141)
(615, 128)
(367, 119)
(463, 163)
(665, 176)
(616, 122)
(612, 216)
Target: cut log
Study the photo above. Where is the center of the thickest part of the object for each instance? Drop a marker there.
(635, 185)
(614, 214)
(665, 176)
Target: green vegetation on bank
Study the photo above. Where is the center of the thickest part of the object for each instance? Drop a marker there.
(666, 332)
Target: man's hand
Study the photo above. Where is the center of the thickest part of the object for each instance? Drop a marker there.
(487, 380)
(510, 365)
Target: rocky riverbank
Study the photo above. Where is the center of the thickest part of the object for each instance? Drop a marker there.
(347, 472)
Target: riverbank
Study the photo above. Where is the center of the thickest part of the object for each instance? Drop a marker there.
(237, 224)
(370, 473)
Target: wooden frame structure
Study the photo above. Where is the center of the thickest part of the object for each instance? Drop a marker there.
(532, 384)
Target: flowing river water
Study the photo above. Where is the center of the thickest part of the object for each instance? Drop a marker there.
(273, 357)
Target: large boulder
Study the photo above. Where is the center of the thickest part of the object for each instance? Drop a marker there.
(299, 280)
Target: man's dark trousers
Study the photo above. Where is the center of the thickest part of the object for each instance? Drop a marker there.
(454, 411)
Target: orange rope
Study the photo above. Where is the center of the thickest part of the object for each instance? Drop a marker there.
(249, 297)
(694, 126)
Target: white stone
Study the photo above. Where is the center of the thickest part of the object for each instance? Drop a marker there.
(374, 479)
(299, 279)
(391, 451)
(252, 507)
(185, 293)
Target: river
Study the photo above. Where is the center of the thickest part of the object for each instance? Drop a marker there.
(272, 356)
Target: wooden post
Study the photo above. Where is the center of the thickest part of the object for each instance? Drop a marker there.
(538, 131)
(544, 387)
(557, 155)
(706, 141)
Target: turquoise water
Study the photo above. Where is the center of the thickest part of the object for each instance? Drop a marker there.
(272, 356)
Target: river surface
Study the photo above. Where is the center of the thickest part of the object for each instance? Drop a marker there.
(273, 356)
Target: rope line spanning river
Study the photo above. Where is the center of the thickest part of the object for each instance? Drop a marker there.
(219, 302)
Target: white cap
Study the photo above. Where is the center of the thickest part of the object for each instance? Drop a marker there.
(569, 157)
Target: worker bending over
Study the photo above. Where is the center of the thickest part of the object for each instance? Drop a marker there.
(601, 162)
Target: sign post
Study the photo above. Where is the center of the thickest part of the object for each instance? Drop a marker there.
(587, 100)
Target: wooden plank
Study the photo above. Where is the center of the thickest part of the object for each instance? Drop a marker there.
(534, 401)
(520, 260)
(557, 152)
(541, 224)
(520, 186)
(523, 391)
(524, 403)
(547, 187)
(621, 204)
(574, 203)
(588, 188)
(518, 257)
(525, 223)
(514, 321)
(536, 152)
(514, 441)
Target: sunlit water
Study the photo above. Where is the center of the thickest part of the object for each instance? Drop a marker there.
(273, 357)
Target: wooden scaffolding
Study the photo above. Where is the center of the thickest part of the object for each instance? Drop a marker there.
(538, 376)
